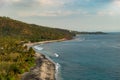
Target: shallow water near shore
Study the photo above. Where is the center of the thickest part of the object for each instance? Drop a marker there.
(87, 57)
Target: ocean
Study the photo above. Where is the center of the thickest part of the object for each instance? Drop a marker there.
(87, 57)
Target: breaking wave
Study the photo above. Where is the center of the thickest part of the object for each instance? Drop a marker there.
(38, 48)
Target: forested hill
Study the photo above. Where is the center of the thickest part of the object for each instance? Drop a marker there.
(15, 59)
(32, 32)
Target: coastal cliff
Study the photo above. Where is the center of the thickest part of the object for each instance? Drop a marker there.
(43, 70)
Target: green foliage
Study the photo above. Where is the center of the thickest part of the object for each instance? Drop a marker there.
(32, 32)
(15, 59)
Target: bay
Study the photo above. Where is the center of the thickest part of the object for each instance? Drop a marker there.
(87, 57)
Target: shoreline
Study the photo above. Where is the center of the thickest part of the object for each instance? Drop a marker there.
(45, 68)
(30, 44)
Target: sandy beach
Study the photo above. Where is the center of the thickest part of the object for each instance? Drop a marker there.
(44, 69)
(43, 42)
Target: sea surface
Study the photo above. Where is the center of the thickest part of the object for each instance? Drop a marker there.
(87, 57)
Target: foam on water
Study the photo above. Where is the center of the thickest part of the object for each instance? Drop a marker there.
(58, 74)
(57, 68)
(38, 48)
(56, 55)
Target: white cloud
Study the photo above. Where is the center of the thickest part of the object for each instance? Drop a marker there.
(53, 3)
(113, 9)
(50, 2)
(9, 1)
(41, 7)
(116, 3)
(109, 13)
(48, 13)
(15, 0)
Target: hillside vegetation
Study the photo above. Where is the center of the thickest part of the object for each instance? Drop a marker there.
(15, 59)
(32, 32)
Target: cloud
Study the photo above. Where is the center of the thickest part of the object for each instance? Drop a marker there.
(104, 13)
(49, 13)
(38, 7)
(54, 3)
(14, 0)
(60, 7)
(116, 3)
(111, 10)
(9, 1)
(50, 3)
(49, 8)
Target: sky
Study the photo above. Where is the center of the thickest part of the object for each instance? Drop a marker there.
(79, 15)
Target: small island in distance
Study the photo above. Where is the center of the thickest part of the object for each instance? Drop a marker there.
(16, 59)
(84, 32)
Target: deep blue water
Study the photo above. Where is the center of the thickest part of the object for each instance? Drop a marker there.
(87, 57)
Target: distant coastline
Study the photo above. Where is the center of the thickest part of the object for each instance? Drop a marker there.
(90, 32)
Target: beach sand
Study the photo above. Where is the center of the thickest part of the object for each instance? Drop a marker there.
(43, 42)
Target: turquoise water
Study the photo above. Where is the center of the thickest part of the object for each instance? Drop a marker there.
(87, 57)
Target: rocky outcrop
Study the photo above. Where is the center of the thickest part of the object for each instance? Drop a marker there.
(44, 69)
